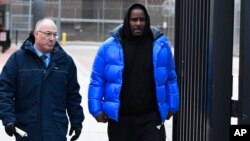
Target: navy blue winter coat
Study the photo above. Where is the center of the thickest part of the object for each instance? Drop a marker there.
(106, 78)
(39, 99)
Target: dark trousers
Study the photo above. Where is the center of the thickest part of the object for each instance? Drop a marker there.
(137, 128)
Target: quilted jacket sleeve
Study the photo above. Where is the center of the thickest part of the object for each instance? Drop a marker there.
(97, 83)
(7, 89)
(74, 107)
(171, 85)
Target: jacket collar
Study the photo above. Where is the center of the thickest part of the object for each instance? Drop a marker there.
(58, 54)
(116, 32)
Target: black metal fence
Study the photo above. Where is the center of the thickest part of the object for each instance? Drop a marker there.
(203, 49)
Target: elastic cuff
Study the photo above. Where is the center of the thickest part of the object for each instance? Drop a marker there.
(76, 125)
(7, 121)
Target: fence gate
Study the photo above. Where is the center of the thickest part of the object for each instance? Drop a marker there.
(203, 52)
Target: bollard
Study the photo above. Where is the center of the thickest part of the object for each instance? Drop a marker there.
(64, 38)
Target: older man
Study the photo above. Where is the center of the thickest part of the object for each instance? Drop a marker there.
(38, 85)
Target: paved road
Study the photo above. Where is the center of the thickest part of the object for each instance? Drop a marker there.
(83, 55)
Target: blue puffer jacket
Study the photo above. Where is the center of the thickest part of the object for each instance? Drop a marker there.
(39, 99)
(106, 78)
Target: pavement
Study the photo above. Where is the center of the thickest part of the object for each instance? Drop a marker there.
(83, 54)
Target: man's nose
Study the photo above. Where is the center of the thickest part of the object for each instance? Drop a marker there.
(138, 22)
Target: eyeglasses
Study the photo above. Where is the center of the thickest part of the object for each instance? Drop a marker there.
(49, 34)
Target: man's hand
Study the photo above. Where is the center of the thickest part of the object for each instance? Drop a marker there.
(10, 129)
(170, 114)
(101, 118)
(77, 131)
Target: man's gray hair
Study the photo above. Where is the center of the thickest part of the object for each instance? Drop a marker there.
(39, 22)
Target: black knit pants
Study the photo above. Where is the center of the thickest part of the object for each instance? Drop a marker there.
(137, 128)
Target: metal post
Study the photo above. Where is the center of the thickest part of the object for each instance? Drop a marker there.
(220, 67)
(16, 37)
(98, 24)
(7, 17)
(59, 18)
(38, 11)
(103, 17)
(146, 3)
(30, 15)
(244, 69)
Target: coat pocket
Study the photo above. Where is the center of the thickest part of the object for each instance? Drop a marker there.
(60, 117)
(61, 123)
(26, 118)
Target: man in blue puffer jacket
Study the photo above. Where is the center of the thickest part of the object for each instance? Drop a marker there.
(133, 83)
(37, 94)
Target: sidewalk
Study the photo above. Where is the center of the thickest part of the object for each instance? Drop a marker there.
(83, 55)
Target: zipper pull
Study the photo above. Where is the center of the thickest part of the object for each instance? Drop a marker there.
(44, 73)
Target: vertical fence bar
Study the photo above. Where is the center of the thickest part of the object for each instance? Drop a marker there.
(220, 67)
(244, 75)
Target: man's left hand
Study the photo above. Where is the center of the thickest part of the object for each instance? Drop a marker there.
(170, 114)
(77, 131)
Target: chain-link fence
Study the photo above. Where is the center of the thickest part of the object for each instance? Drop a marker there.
(90, 20)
